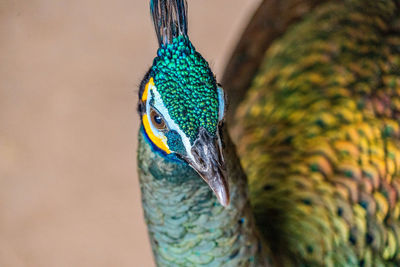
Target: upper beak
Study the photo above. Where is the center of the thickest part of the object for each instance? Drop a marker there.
(209, 163)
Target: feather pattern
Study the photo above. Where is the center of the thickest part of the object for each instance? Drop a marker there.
(318, 138)
(169, 18)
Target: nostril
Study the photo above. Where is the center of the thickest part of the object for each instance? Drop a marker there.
(195, 153)
(202, 163)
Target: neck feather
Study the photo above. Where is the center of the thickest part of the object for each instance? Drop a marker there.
(186, 224)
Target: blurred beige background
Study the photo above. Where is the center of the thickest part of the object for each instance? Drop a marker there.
(69, 71)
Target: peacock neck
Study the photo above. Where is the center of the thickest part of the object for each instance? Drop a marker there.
(186, 224)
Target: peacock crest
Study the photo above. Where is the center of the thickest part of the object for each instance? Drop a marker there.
(182, 77)
(313, 179)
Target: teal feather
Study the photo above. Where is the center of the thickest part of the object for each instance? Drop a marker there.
(187, 86)
(318, 139)
(187, 225)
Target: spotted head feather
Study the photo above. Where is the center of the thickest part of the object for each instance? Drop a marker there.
(180, 103)
(182, 77)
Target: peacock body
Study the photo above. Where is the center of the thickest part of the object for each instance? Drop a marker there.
(314, 179)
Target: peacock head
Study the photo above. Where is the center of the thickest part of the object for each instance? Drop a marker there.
(181, 105)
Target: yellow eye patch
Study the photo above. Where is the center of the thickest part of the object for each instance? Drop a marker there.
(158, 141)
(146, 89)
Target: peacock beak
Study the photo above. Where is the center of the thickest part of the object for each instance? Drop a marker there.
(209, 163)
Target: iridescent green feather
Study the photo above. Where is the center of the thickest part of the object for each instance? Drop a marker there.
(182, 76)
(187, 87)
(319, 138)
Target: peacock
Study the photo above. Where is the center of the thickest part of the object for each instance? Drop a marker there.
(306, 170)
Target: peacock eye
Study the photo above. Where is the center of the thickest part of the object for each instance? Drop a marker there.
(157, 119)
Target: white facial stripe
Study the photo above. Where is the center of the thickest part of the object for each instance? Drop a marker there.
(159, 105)
(221, 103)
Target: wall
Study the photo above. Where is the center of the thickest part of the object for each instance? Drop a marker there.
(69, 72)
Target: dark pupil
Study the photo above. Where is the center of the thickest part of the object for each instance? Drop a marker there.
(157, 119)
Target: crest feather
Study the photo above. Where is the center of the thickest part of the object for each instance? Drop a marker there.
(169, 18)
